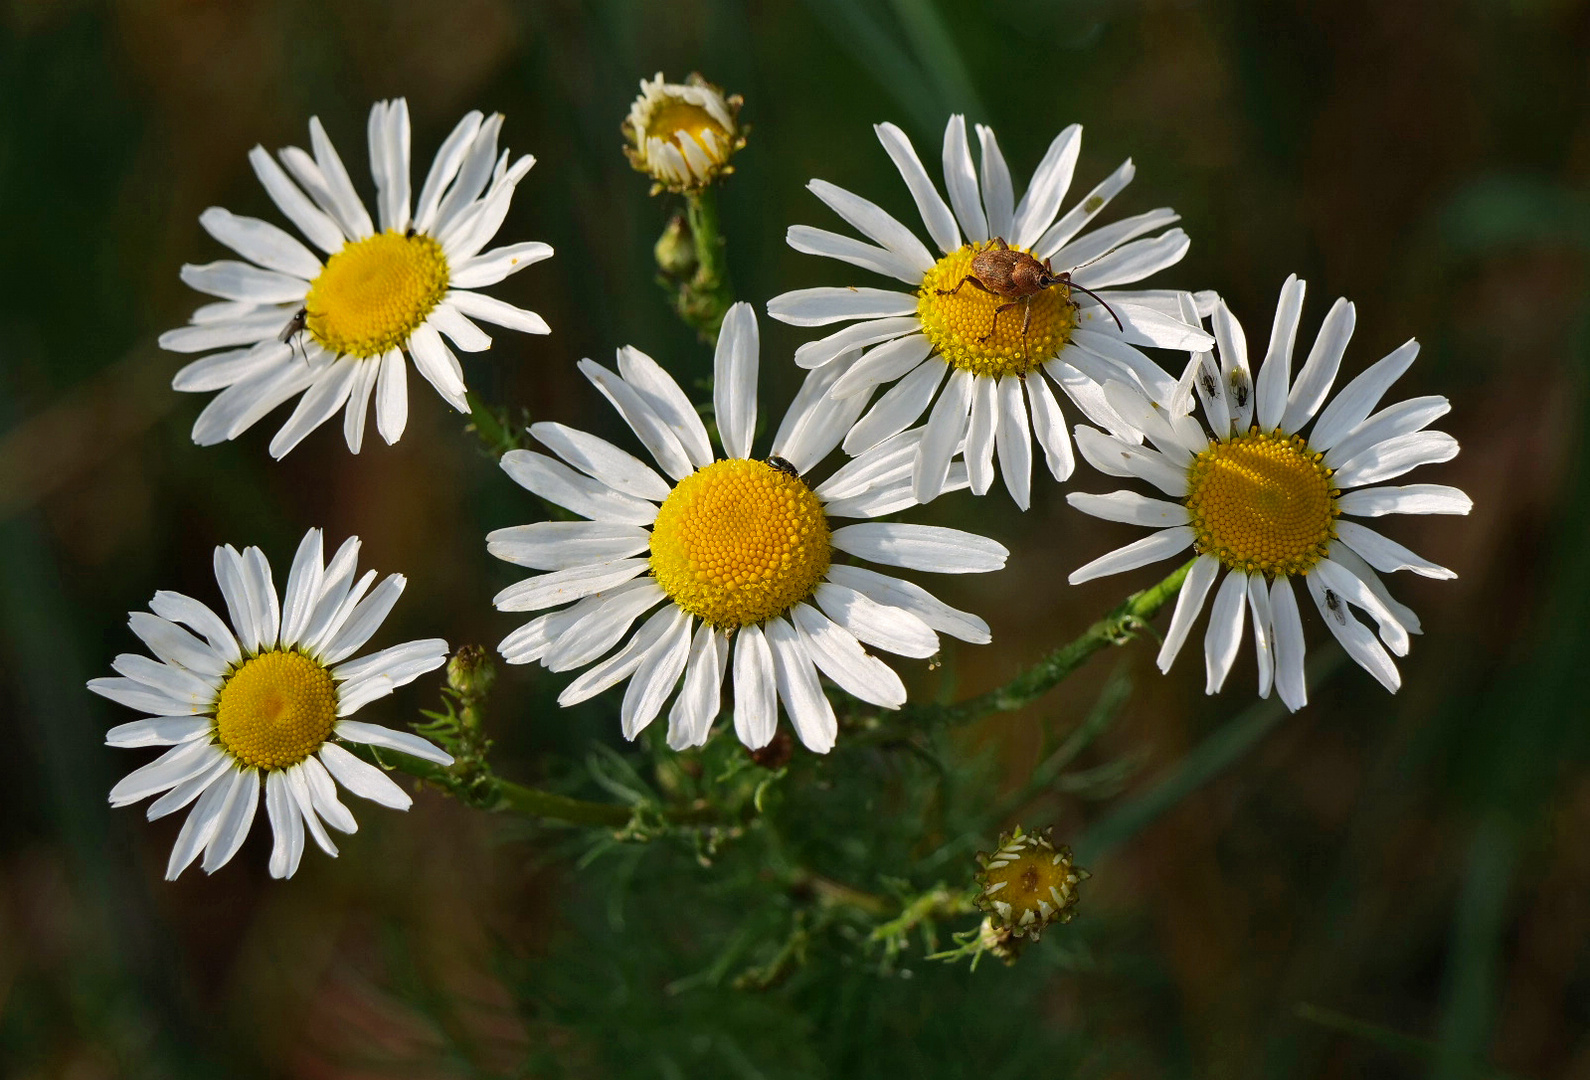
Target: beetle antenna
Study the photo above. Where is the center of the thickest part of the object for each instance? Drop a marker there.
(1081, 288)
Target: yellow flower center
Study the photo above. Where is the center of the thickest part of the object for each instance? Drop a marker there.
(967, 330)
(276, 710)
(375, 292)
(739, 542)
(1262, 502)
(680, 119)
(1028, 883)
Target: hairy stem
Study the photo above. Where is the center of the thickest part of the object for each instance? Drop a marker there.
(699, 281)
(1116, 628)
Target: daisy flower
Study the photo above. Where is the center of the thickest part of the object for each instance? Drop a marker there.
(995, 351)
(1268, 501)
(738, 552)
(336, 331)
(682, 134)
(265, 702)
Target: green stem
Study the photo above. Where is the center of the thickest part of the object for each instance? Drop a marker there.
(703, 299)
(1116, 628)
(496, 432)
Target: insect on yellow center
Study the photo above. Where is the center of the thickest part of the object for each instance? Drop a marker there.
(1262, 502)
(375, 292)
(276, 710)
(678, 120)
(739, 542)
(965, 331)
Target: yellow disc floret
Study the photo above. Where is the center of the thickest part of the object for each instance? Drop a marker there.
(965, 331)
(1028, 883)
(375, 292)
(276, 710)
(1262, 503)
(739, 542)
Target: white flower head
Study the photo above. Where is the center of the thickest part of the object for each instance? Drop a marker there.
(1264, 500)
(264, 702)
(1078, 330)
(682, 135)
(740, 555)
(336, 332)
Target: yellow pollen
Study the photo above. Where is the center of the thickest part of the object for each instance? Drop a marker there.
(375, 292)
(1262, 502)
(963, 329)
(739, 542)
(681, 118)
(276, 710)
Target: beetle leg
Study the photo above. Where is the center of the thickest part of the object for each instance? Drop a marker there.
(997, 312)
(969, 279)
(999, 242)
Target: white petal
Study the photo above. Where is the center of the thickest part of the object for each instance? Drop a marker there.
(303, 801)
(1403, 418)
(815, 354)
(1275, 374)
(1351, 589)
(402, 662)
(1101, 241)
(1049, 427)
(497, 312)
(444, 167)
(799, 689)
(323, 796)
(1387, 555)
(1287, 631)
(562, 545)
(1407, 499)
(136, 695)
(894, 592)
(261, 242)
(999, 196)
(1224, 635)
(1358, 398)
(176, 646)
(935, 213)
(238, 815)
(402, 741)
(668, 401)
(314, 223)
(1234, 368)
(1014, 440)
(459, 329)
(287, 826)
(840, 656)
(946, 427)
(233, 280)
(734, 380)
(262, 596)
(362, 778)
(979, 449)
(474, 172)
(882, 364)
(1130, 507)
(185, 760)
(814, 423)
(921, 547)
(175, 682)
(656, 676)
(1263, 643)
(564, 586)
(621, 664)
(1314, 382)
(184, 609)
(1395, 456)
(436, 362)
(392, 397)
(755, 704)
(831, 245)
(1076, 219)
(348, 205)
(602, 461)
(701, 697)
(492, 266)
(898, 408)
(1050, 182)
(600, 625)
(892, 629)
(826, 304)
(200, 825)
(159, 731)
(1116, 458)
(1356, 638)
(960, 179)
(358, 407)
(873, 222)
(562, 486)
(1194, 590)
(1150, 549)
(364, 620)
(656, 435)
(1134, 261)
(320, 403)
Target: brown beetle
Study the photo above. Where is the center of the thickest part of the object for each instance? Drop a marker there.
(1018, 277)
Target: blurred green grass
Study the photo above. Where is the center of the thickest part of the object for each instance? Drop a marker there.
(1413, 862)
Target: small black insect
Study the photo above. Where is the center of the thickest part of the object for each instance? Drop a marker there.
(1211, 385)
(1334, 602)
(783, 466)
(294, 328)
(1239, 388)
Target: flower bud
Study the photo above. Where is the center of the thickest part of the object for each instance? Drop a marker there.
(676, 249)
(682, 134)
(470, 672)
(1028, 883)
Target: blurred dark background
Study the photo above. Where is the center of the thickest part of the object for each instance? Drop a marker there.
(1377, 886)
